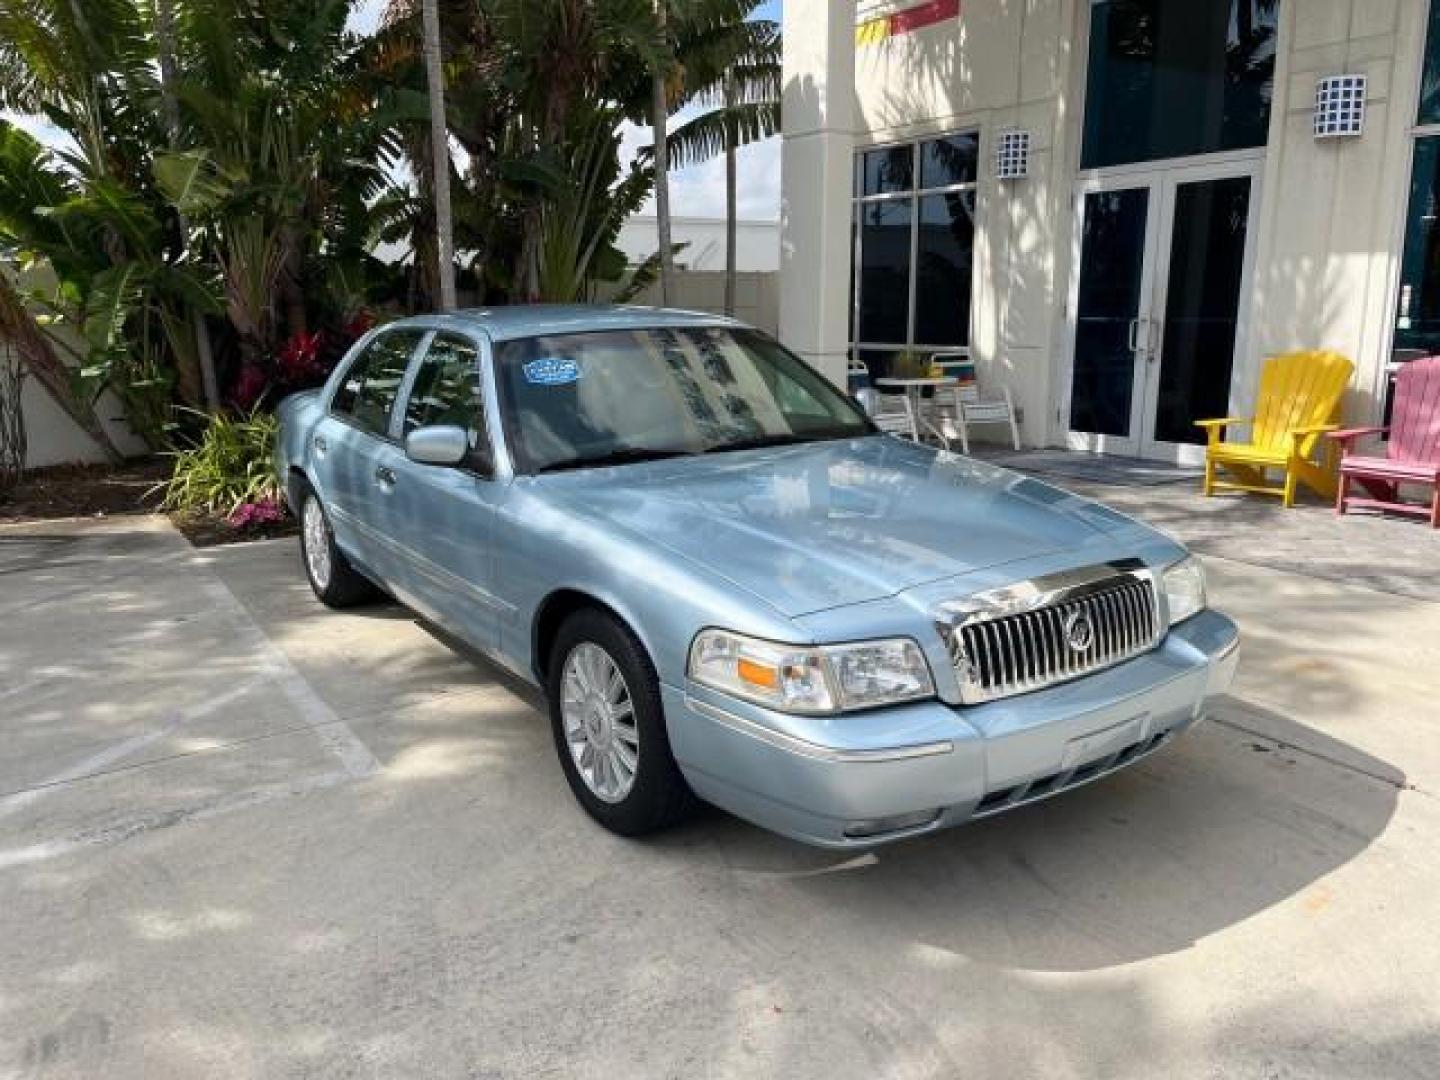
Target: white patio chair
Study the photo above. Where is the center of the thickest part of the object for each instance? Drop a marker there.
(888, 411)
(958, 407)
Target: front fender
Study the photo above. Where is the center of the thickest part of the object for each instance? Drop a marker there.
(546, 545)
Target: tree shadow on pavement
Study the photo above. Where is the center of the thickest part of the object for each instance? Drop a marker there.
(1221, 825)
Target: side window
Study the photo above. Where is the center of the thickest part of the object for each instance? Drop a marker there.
(367, 393)
(447, 389)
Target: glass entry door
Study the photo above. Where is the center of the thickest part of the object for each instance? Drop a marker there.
(1159, 307)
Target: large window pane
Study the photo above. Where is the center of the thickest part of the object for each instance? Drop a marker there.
(942, 269)
(884, 270)
(879, 363)
(1417, 325)
(949, 161)
(1172, 78)
(891, 168)
(1430, 81)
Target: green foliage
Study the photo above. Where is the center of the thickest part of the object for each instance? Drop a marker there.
(230, 464)
(582, 216)
(226, 168)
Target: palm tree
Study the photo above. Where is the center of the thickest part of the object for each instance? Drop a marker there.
(165, 43)
(283, 137)
(736, 69)
(439, 155)
(89, 209)
(659, 113)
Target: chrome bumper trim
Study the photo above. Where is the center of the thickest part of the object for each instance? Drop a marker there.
(1119, 602)
(802, 747)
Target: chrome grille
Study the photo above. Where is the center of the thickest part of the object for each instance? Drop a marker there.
(1041, 633)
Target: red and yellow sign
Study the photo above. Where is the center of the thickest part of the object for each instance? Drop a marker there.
(903, 22)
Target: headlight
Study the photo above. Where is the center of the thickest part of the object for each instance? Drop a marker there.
(1184, 589)
(811, 679)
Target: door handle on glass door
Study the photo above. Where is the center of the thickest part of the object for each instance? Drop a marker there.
(1132, 338)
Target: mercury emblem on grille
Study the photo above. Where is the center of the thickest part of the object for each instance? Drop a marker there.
(1079, 631)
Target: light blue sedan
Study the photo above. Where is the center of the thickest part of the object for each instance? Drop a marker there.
(730, 586)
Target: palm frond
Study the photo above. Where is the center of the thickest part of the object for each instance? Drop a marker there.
(707, 135)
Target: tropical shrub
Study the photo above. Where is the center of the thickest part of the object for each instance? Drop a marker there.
(222, 171)
(303, 362)
(230, 466)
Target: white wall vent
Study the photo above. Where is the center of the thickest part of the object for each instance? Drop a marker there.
(1012, 155)
(1339, 106)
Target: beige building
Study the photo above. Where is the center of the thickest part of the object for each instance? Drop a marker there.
(1187, 186)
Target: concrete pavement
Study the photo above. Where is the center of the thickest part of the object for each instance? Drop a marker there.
(241, 835)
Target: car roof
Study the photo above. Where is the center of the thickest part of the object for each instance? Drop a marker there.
(534, 320)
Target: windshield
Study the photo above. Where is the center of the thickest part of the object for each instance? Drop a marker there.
(615, 396)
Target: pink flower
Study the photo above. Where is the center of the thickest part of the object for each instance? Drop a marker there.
(265, 511)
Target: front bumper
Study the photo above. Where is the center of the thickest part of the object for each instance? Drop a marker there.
(867, 778)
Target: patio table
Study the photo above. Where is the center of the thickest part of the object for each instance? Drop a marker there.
(915, 393)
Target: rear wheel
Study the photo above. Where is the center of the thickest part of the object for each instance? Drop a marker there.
(609, 727)
(334, 581)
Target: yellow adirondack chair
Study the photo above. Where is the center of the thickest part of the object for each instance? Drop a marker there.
(1299, 401)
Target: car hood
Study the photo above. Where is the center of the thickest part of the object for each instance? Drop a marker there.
(822, 525)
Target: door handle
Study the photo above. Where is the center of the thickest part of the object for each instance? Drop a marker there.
(320, 445)
(1132, 338)
(385, 477)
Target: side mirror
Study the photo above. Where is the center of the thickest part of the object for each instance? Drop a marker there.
(869, 399)
(442, 444)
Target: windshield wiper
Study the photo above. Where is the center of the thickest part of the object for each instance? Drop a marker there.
(758, 442)
(621, 455)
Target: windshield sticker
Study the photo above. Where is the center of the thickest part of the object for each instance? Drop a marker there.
(552, 371)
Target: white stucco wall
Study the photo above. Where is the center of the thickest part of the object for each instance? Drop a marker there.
(52, 438)
(756, 296)
(757, 243)
(1333, 211)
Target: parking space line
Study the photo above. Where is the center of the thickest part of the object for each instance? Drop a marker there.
(331, 731)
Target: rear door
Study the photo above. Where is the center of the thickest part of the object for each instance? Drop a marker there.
(354, 452)
(443, 517)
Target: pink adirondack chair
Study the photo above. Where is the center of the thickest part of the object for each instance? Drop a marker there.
(1412, 455)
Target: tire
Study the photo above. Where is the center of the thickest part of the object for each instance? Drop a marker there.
(334, 581)
(656, 795)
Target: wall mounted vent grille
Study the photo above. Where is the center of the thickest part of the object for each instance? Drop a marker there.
(1339, 106)
(1012, 155)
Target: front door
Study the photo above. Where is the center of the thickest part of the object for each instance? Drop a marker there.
(442, 517)
(1159, 306)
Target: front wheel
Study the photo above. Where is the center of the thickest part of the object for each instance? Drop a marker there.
(334, 581)
(609, 727)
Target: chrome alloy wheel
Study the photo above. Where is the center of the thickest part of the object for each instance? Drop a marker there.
(317, 543)
(599, 719)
